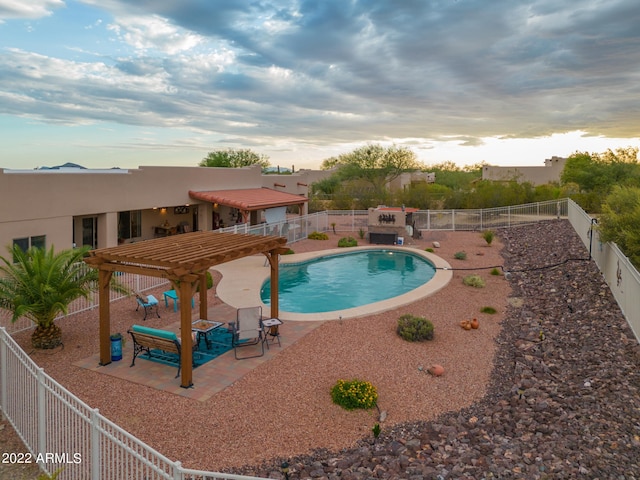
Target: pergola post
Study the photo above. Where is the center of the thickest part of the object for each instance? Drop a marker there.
(186, 357)
(104, 278)
(203, 297)
(273, 263)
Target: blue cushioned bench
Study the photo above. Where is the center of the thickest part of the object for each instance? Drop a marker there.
(146, 338)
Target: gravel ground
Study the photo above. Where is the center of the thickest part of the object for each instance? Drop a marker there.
(578, 415)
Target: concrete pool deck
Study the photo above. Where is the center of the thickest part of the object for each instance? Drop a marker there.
(242, 280)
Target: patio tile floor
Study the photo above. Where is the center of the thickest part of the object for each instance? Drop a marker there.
(208, 379)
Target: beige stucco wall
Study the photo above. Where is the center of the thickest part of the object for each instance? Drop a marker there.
(42, 202)
(548, 173)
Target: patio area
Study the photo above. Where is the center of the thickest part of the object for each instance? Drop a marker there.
(210, 378)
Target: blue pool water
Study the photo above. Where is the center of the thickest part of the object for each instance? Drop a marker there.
(347, 280)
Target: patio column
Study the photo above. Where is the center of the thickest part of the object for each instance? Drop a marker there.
(104, 278)
(273, 262)
(186, 358)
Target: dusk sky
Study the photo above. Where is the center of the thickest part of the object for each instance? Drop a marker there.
(127, 83)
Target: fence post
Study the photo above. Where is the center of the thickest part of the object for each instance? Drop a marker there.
(95, 445)
(42, 412)
(177, 471)
(3, 369)
(453, 219)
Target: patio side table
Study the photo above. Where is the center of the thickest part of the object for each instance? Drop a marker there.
(273, 330)
(174, 295)
(202, 329)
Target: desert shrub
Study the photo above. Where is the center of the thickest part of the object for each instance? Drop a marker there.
(347, 242)
(430, 250)
(361, 233)
(495, 271)
(318, 236)
(473, 281)
(490, 310)
(289, 252)
(352, 394)
(460, 255)
(414, 329)
(488, 236)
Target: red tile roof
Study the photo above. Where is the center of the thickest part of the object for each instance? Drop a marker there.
(250, 198)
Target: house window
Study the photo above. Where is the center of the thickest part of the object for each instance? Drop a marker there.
(26, 242)
(130, 224)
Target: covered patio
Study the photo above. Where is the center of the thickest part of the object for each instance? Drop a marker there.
(184, 261)
(249, 201)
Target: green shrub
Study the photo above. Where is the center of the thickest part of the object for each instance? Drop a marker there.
(490, 310)
(460, 255)
(430, 250)
(318, 236)
(347, 242)
(352, 394)
(289, 252)
(488, 236)
(473, 281)
(361, 233)
(495, 271)
(414, 329)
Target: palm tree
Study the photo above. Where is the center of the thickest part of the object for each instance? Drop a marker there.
(40, 284)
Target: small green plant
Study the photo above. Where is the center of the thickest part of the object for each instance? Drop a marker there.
(352, 394)
(347, 242)
(489, 310)
(333, 227)
(460, 255)
(495, 271)
(318, 236)
(289, 252)
(430, 250)
(488, 236)
(414, 329)
(361, 233)
(376, 430)
(473, 281)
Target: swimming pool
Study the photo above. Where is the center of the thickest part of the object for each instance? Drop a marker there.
(348, 280)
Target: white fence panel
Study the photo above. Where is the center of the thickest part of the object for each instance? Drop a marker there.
(621, 276)
(61, 431)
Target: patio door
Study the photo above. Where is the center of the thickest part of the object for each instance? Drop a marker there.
(90, 232)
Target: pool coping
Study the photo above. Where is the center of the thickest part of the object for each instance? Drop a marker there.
(242, 280)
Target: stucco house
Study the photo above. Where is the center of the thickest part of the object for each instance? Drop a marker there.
(74, 206)
(548, 173)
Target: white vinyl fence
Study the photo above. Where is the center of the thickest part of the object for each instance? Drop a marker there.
(62, 432)
(621, 276)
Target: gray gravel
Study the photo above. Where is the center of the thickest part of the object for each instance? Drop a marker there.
(563, 399)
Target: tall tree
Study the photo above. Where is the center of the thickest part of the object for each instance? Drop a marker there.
(620, 221)
(374, 164)
(40, 284)
(234, 158)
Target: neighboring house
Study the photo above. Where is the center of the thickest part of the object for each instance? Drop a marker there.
(71, 205)
(549, 173)
(406, 179)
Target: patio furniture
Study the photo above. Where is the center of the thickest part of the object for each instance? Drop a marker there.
(248, 331)
(147, 303)
(146, 338)
(272, 326)
(202, 328)
(174, 295)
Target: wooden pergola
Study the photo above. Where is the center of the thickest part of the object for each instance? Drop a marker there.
(183, 260)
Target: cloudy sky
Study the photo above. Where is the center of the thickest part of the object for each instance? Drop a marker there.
(158, 82)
